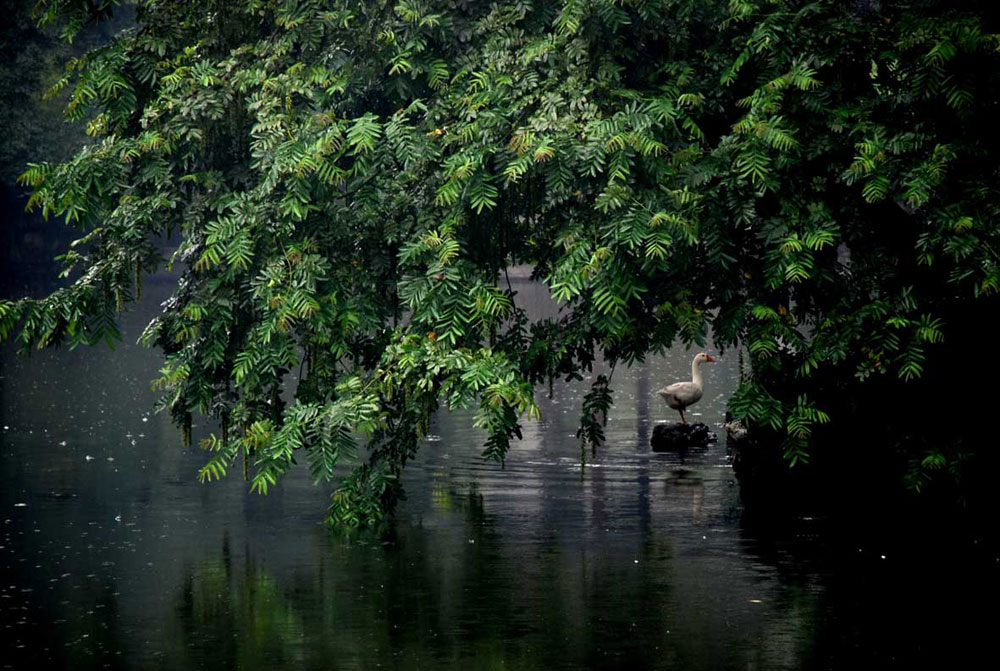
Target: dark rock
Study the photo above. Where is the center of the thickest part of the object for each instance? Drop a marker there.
(769, 489)
(680, 437)
(735, 432)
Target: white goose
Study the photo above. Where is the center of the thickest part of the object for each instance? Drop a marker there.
(680, 395)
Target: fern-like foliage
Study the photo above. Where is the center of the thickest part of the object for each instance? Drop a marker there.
(347, 183)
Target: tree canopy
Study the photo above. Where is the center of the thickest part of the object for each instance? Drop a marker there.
(349, 181)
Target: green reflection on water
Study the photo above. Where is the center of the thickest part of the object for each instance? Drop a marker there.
(461, 595)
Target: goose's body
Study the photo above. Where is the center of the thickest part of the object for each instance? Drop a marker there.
(680, 395)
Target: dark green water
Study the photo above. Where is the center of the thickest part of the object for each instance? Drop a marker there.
(113, 556)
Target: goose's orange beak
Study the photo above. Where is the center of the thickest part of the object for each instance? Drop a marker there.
(709, 358)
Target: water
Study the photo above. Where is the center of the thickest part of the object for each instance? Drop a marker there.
(113, 556)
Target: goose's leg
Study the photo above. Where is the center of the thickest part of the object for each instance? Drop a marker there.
(681, 410)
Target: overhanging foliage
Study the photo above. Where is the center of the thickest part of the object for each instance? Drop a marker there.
(349, 181)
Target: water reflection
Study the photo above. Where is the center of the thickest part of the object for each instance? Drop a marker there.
(114, 556)
(465, 595)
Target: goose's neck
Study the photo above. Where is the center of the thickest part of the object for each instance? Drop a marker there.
(696, 372)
